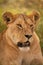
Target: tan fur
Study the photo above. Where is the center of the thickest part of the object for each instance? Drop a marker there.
(10, 54)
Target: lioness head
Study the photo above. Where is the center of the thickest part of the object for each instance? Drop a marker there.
(21, 28)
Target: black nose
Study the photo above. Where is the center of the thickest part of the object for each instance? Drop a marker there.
(28, 36)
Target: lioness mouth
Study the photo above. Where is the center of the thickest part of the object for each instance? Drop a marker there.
(25, 44)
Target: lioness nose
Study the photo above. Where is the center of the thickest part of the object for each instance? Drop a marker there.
(28, 36)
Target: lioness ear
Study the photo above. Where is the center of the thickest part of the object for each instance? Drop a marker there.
(8, 17)
(34, 16)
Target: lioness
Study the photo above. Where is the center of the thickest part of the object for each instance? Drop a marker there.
(19, 44)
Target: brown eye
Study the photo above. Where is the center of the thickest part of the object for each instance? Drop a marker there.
(19, 25)
(31, 25)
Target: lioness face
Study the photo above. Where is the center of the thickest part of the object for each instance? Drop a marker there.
(20, 29)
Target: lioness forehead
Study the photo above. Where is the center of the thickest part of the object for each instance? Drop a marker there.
(22, 18)
(32, 18)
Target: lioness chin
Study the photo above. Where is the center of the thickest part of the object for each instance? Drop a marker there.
(19, 44)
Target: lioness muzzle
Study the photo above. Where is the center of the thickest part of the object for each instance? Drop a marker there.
(25, 44)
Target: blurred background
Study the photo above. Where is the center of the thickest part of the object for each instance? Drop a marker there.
(23, 6)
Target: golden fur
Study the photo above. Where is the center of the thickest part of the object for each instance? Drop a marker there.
(19, 26)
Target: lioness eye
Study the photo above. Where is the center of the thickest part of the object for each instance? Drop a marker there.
(19, 25)
(31, 25)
